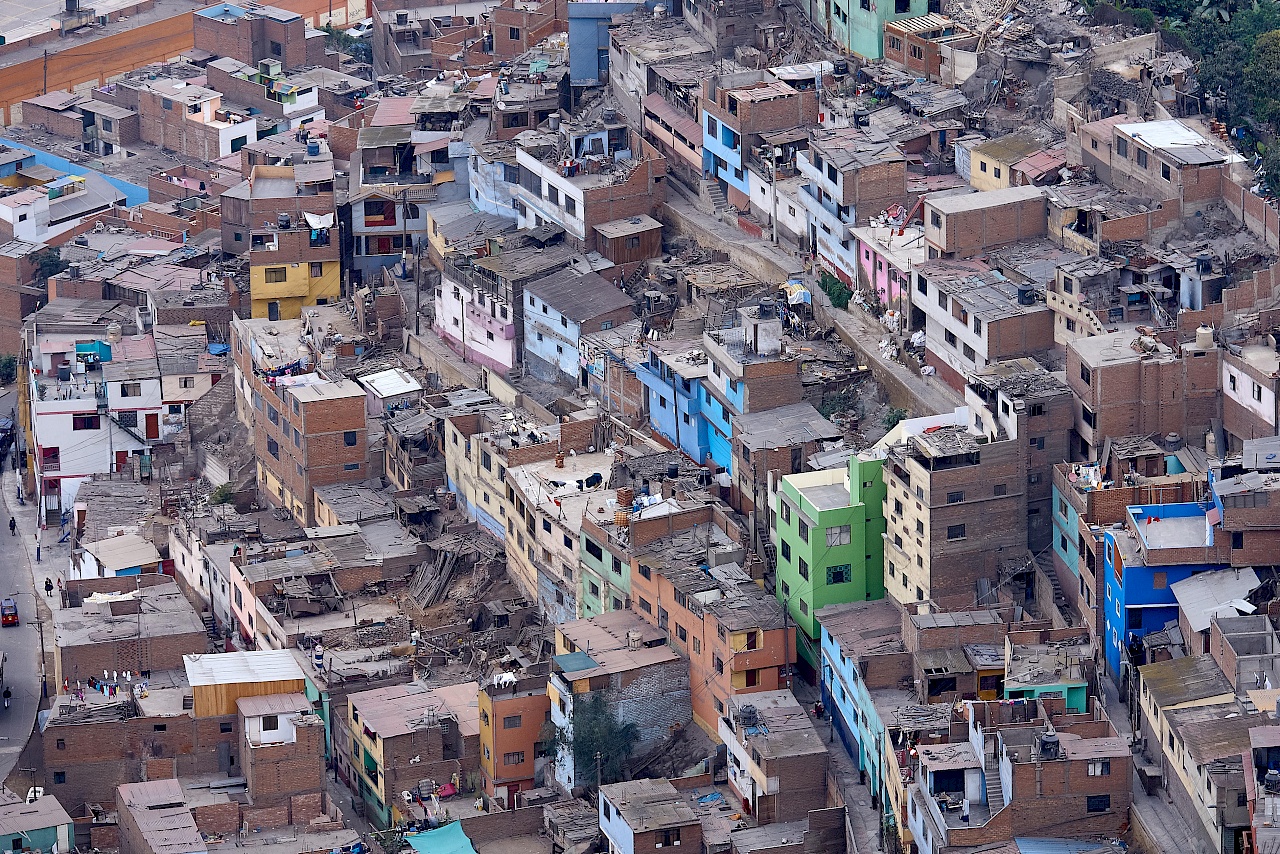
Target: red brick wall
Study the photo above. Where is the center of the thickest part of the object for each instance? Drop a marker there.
(67, 125)
(276, 773)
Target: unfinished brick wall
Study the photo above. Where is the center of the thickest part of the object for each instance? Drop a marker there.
(218, 818)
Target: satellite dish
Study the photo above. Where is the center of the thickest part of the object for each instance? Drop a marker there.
(502, 105)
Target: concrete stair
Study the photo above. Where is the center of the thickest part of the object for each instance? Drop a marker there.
(712, 192)
(995, 791)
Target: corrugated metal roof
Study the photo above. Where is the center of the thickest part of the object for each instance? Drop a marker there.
(1184, 680)
(1211, 594)
(232, 668)
(21, 817)
(273, 704)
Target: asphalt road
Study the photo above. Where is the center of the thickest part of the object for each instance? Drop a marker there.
(21, 643)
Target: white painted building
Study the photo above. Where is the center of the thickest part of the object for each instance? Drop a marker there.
(477, 325)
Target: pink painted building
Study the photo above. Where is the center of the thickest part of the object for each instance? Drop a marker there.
(885, 258)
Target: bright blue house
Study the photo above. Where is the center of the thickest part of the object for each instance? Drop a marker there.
(589, 39)
(673, 383)
(1159, 545)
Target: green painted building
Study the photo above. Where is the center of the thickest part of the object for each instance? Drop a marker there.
(604, 578)
(858, 25)
(830, 544)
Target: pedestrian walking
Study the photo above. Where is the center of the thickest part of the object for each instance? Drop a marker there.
(13, 527)
(48, 587)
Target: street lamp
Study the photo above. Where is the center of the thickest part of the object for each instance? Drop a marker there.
(44, 685)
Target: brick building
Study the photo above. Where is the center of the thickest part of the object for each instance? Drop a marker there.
(940, 483)
(283, 748)
(963, 226)
(308, 431)
(738, 111)
(932, 46)
(283, 197)
(1158, 159)
(103, 128)
(615, 174)
(154, 818)
(1117, 375)
(640, 815)
(252, 34)
(150, 628)
(179, 116)
(20, 291)
(403, 734)
(777, 760)
(974, 317)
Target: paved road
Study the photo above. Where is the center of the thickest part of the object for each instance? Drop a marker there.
(21, 643)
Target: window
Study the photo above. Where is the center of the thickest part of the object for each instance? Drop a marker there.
(1037, 442)
(1100, 769)
(645, 605)
(935, 219)
(86, 422)
(593, 549)
(955, 532)
(982, 166)
(512, 721)
(804, 607)
(277, 49)
(1164, 173)
(802, 528)
(274, 275)
(949, 337)
(270, 723)
(1098, 803)
(1231, 381)
(968, 353)
(977, 326)
(804, 569)
(516, 758)
(514, 33)
(717, 664)
(786, 550)
(159, 727)
(273, 415)
(839, 535)
(942, 300)
(1086, 376)
(571, 208)
(645, 572)
(273, 448)
(1142, 158)
(667, 837)
(1122, 147)
(996, 171)
(317, 269)
(681, 633)
(784, 510)
(955, 497)
(840, 574)
(131, 390)
(186, 382)
(59, 777)
(62, 744)
(1257, 392)
(349, 438)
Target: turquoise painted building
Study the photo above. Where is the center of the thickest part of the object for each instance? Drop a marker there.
(858, 25)
(43, 826)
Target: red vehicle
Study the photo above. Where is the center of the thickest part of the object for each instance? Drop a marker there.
(8, 613)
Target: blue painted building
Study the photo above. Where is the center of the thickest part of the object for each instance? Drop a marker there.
(589, 40)
(722, 155)
(13, 160)
(673, 383)
(849, 681)
(1159, 545)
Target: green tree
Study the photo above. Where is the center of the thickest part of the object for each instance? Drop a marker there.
(336, 39)
(221, 494)
(596, 730)
(8, 369)
(50, 263)
(1271, 168)
(1262, 78)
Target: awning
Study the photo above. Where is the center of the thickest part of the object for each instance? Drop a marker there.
(681, 123)
(450, 839)
(420, 148)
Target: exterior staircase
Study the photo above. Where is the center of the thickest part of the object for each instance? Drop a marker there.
(712, 192)
(995, 791)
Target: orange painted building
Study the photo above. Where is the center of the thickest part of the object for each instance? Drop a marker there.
(692, 585)
(511, 719)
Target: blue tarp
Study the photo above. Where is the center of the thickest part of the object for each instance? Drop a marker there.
(449, 839)
(133, 194)
(574, 662)
(219, 349)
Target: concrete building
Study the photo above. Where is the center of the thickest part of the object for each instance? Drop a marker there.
(932, 46)
(560, 309)
(511, 721)
(830, 532)
(1160, 159)
(283, 749)
(861, 28)
(40, 826)
(286, 197)
(179, 116)
(777, 760)
(250, 34)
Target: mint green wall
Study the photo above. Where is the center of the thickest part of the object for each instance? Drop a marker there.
(863, 29)
(864, 553)
(611, 575)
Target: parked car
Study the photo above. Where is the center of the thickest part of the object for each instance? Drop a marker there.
(362, 29)
(8, 613)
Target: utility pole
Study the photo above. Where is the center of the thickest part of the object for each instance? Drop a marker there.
(46, 72)
(598, 777)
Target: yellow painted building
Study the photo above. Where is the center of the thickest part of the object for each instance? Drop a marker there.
(280, 291)
(991, 163)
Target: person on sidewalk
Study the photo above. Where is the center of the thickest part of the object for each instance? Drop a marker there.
(48, 587)
(13, 527)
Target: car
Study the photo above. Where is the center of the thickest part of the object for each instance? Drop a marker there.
(362, 29)
(8, 613)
